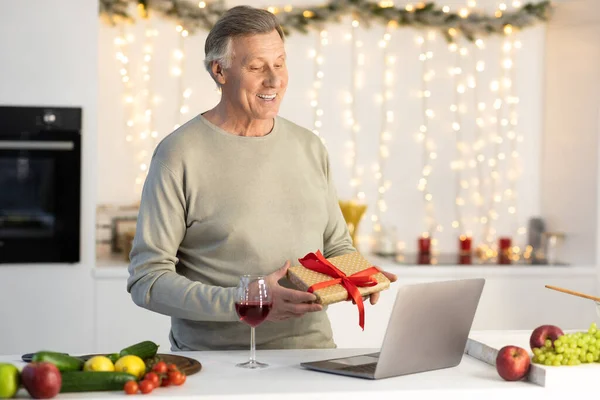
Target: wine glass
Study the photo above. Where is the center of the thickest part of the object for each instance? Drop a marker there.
(252, 304)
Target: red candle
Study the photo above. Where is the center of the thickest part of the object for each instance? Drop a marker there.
(465, 244)
(465, 259)
(504, 244)
(424, 244)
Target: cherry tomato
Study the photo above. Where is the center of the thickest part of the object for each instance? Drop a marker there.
(160, 367)
(131, 387)
(165, 381)
(172, 367)
(176, 378)
(153, 377)
(146, 386)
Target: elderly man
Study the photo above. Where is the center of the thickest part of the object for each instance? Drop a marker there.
(237, 190)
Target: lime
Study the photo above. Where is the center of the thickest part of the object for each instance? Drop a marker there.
(9, 380)
(132, 365)
(98, 363)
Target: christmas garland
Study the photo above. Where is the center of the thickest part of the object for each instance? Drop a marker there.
(194, 16)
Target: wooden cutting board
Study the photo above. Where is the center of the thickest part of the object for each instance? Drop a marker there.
(188, 366)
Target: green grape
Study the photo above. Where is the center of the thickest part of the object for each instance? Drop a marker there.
(596, 355)
(574, 358)
(559, 357)
(578, 351)
(564, 362)
(577, 362)
(560, 349)
(593, 325)
(535, 360)
(547, 362)
(589, 357)
(537, 351)
(592, 331)
(580, 342)
(541, 358)
(573, 345)
(557, 342)
(593, 340)
(556, 363)
(548, 343)
(586, 339)
(592, 348)
(582, 357)
(550, 356)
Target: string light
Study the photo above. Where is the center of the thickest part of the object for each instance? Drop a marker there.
(179, 72)
(423, 136)
(147, 135)
(357, 59)
(512, 124)
(321, 41)
(121, 43)
(479, 145)
(387, 117)
(459, 164)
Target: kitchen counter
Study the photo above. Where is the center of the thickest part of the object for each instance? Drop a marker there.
(220, 379)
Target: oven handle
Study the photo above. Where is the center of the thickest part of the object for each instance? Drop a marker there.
(36, 145)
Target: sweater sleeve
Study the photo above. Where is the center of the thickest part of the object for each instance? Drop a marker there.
(336, 238)
(153, 281)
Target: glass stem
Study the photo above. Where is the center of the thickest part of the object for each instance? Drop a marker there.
(252, 346)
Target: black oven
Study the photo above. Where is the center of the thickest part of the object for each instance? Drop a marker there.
(40, 184)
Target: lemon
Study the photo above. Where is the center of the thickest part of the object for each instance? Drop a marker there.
(9, 380)
(98, 363)
(132, 365)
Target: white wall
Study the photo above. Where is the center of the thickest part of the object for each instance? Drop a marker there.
(119, 165)
(569, 172)
(48, 53)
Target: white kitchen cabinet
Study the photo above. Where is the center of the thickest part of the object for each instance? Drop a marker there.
(514, 298)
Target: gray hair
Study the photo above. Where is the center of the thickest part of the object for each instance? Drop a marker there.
(237, 21)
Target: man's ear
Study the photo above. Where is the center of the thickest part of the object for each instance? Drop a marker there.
(218, 72)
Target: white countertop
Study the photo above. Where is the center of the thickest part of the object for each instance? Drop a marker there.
(220, 379)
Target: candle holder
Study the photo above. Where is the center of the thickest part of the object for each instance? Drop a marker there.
(504, 250)
(465, 259)
(424, 243)
(353, 212)
(465, 243)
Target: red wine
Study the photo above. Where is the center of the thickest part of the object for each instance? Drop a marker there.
(253, 312)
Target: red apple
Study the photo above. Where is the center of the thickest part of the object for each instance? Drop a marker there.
(41, 379)
(542, 333)
(512, 363)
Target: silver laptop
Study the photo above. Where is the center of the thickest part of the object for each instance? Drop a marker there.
(427, 330)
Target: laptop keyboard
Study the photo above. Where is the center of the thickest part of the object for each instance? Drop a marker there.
(363, 368)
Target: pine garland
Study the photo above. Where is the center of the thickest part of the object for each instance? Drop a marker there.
(191, 17)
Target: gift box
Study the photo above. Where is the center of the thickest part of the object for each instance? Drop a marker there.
(341, 278)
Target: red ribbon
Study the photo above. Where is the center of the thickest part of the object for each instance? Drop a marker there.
(316, 262)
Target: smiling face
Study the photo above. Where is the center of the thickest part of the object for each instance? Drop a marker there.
(254, 85)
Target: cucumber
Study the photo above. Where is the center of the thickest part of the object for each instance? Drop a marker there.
(62, 361)
(143, 350)
(94, 381)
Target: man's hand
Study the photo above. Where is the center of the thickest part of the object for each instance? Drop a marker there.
(374, 297)
(288, 303)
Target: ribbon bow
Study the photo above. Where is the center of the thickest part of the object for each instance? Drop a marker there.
(316, 262)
